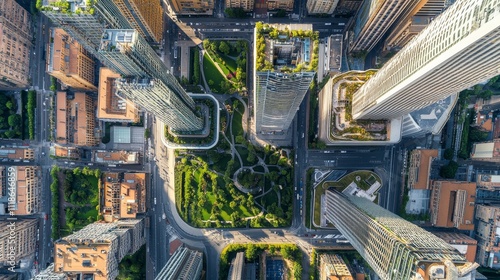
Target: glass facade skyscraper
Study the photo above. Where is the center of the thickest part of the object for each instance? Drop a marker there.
(393, 247)
(107, 33)
(455, 51)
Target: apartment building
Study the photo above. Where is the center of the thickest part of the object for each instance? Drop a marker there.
(286, 5)
(17, 153)
(487, 151)
(488, 182)
(393, 247)
(246, 5)
(466, 245)
(321, 6)
(69, 62)
(110, 106)
(95, 251)
(17, 239)
(183, 264)
(65, 152)
(20, 194)
(75, 119)
(419, 168)
(452, 204)
(116, 157)
(487, 234)
(192, 7)
(124, 195)
(333, 267)
(15, 45)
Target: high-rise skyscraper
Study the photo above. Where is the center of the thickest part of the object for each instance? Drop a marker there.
(145, 16)
(146, 80)
(278, 97)
(282, 75)
(454, 52)
(372, 21)
(394, 248)
(321, 6)
(184, 264)
(412, 21)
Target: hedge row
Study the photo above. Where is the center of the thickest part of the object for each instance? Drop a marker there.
(54, 188)
(31, 113)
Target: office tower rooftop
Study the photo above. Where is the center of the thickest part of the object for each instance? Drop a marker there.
(452, 53)
(394, 248)
(286, 58)
(183, 264)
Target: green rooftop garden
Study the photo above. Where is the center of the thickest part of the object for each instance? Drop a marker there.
(65, 7)
(266, 32)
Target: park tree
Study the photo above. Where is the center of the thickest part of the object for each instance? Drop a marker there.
(477, 135)
(206, 44)
(224, 47)
(448, 154)
(9, 105)
(14, 120)
(449, 171)
(232, 204)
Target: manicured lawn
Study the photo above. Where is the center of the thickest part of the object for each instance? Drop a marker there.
(237, 123)
(212, 74)
(230, 63)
